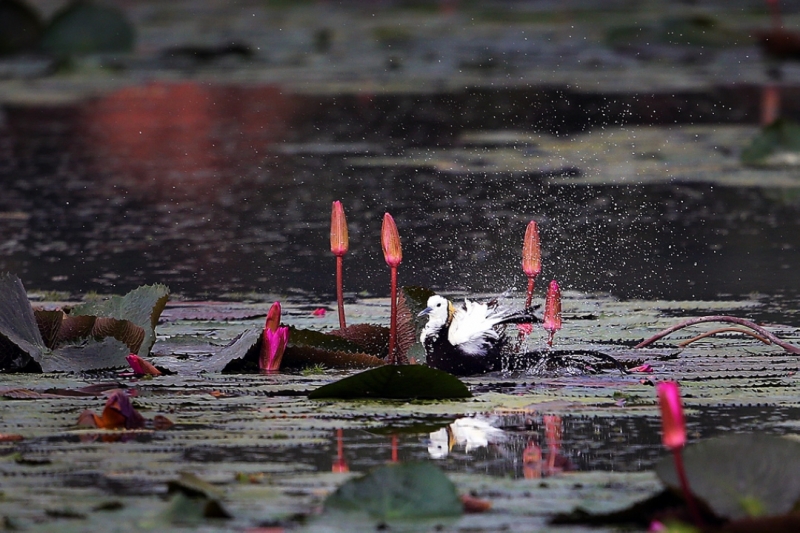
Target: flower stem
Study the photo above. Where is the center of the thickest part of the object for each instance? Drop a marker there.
(392, 359)
(531, 280)
(340, 291)
(791, 348)
(687, 493)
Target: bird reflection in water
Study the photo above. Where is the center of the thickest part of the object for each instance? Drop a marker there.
(470, 432)
(475, 432)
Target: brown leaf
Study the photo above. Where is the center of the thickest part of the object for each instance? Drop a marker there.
(123, 330)
(49, 323)
(406, 329)
(75, 327)
(371, 338)
(89, 419)
(305, 356)
(119, 413)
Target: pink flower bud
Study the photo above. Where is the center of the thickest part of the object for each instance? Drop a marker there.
(274, 340)
(390, 240)
(672, 421)
(339, 239)
(531, 251)
(552, 310)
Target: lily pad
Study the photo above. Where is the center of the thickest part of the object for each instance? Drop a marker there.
(399, 491)
(736, 474)
(774, 144)
(306, 348)
(36, 341)
(396, 382)
(130, 319)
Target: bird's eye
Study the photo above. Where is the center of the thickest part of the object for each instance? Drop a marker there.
(438, 305)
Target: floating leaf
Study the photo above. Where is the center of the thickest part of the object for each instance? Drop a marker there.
(399, 491)
(306, 348)
(782, 136)
(735, 473)
(396, 382)
(306, 356)
(122, 317)
(88, 355)
(406, 328)
(118, 413)
(372, 339)
(416, 298)
(193, 500)
(20, 340)
(49, 322)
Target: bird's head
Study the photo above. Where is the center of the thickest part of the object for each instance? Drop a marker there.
(439, 311)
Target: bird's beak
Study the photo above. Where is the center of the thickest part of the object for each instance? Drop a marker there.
(425, 311)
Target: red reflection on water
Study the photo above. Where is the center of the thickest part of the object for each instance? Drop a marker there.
(340, 464)
(534, 464)
(188, 135)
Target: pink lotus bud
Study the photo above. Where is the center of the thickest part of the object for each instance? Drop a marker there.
(319, 311)
(273, 317)
(552, 310)
(531, 251)
(390, 240)
(141, 367)
(672, 421)
(339, 239)
(273, 341)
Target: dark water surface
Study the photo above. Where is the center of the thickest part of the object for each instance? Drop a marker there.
(221, 190)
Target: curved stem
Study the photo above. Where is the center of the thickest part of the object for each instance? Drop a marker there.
(791, 348)
(392, 359)
(724, 330)
(531, 280)
(340, 291)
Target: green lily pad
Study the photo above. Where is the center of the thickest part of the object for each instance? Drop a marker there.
(780, 137)
(399, 491)
(396, 382)
(130, 319)
(736, 474)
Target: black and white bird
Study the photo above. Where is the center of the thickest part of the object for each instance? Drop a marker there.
(467, 339)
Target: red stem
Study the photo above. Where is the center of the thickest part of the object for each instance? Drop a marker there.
(393, 319)
(531, 280)
(791, 348)
(340, 291)
(394, 448)
(687, 493)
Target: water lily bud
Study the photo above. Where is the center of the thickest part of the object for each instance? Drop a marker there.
(340, 242)
(273, 341)
(552, 308)
(273, 317)
(141, 367)
(531, 251)
(390, 239)
(672, 421)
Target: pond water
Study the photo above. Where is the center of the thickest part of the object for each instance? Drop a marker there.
(222, 191)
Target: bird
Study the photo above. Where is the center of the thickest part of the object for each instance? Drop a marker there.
(467, 339)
